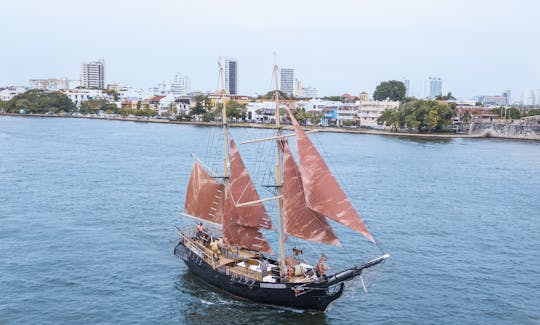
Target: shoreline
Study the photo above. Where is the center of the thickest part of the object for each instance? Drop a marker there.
(286, 127)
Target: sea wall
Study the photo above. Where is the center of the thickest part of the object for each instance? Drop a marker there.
(516, 129)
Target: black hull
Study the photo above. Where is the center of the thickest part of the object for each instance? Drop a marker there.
(316, 297)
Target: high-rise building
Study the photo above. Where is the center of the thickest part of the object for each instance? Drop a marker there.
(528, 97)
(298, 89)
(93, 74)
(432, 87)
(286, 84)
(407, 84)
(180, 84)
(230, 67)
(507, 94)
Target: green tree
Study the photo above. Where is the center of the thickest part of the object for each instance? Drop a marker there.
(40, 101)
(510, 113)
(419, 114)
(113, 93)
(533, 112)
(235, 109)
(93, 106)
(202, 106)
(301, 116)
(392, 89)
(448, 96)
(124, 111)
(209, 116)
(112, 108)
(315, 117)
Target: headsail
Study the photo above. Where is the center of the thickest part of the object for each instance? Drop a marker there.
(241, 224)
(204, 197)
(323, 193)
(300, 220)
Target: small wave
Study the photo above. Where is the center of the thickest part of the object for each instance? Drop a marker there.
(206, 302)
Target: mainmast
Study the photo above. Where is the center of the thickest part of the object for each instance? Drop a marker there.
(225, 137)
(279, 180)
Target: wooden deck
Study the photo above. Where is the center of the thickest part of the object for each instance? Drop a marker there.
(229, 259)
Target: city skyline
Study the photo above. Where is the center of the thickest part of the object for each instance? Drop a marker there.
(350, 52)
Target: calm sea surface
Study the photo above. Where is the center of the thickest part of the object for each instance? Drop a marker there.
(88, 209)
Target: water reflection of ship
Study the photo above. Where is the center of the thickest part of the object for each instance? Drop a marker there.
(234, 215)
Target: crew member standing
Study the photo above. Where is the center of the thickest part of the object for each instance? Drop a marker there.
(321, 267)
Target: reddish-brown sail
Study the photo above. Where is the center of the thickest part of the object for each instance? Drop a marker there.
(242, 190)
(241, 224)
(238, 235)
(301, 221)
(204, 197)
(323, 193)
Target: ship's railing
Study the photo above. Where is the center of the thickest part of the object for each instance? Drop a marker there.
(243, 273)
(187, 235)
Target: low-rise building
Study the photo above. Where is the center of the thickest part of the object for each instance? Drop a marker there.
(10, 92)
(265, 111)
(469, 111)
(362, 112)
(53, 84)
(78, 96)
(369, 111)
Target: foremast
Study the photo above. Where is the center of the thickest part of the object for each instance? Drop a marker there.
(279, 177)
(225, 134)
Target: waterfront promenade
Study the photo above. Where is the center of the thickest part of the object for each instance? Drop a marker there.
(479, 133)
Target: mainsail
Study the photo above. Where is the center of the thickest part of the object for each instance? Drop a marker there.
(241, 224)
(204, 197)
(300, 220)
(322, 191)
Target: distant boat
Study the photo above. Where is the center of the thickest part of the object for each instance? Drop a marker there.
(235, 257)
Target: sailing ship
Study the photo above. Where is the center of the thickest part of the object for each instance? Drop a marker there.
(232, 253)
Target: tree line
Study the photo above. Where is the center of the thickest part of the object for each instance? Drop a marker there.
(418, 114)
(37, 101)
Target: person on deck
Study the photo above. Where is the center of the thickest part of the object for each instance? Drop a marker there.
(201, 234)
(214, 247)
(264, 267)
(321, 267)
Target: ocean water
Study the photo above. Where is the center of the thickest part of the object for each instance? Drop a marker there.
(88, 209)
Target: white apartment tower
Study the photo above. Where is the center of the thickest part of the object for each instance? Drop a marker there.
(180, 84)
(407, 84)
(286, 84)
(93, 74)
(432, 87)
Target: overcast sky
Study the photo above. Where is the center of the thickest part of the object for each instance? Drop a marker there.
(477, 47)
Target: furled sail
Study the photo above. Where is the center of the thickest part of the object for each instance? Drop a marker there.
(204, 197)
(241, 224)
(301, 221)
(322, 191)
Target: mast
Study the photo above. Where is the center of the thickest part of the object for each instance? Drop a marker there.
(225, 138)
(279, 181)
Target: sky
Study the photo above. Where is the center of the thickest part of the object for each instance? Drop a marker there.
(476, 47)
